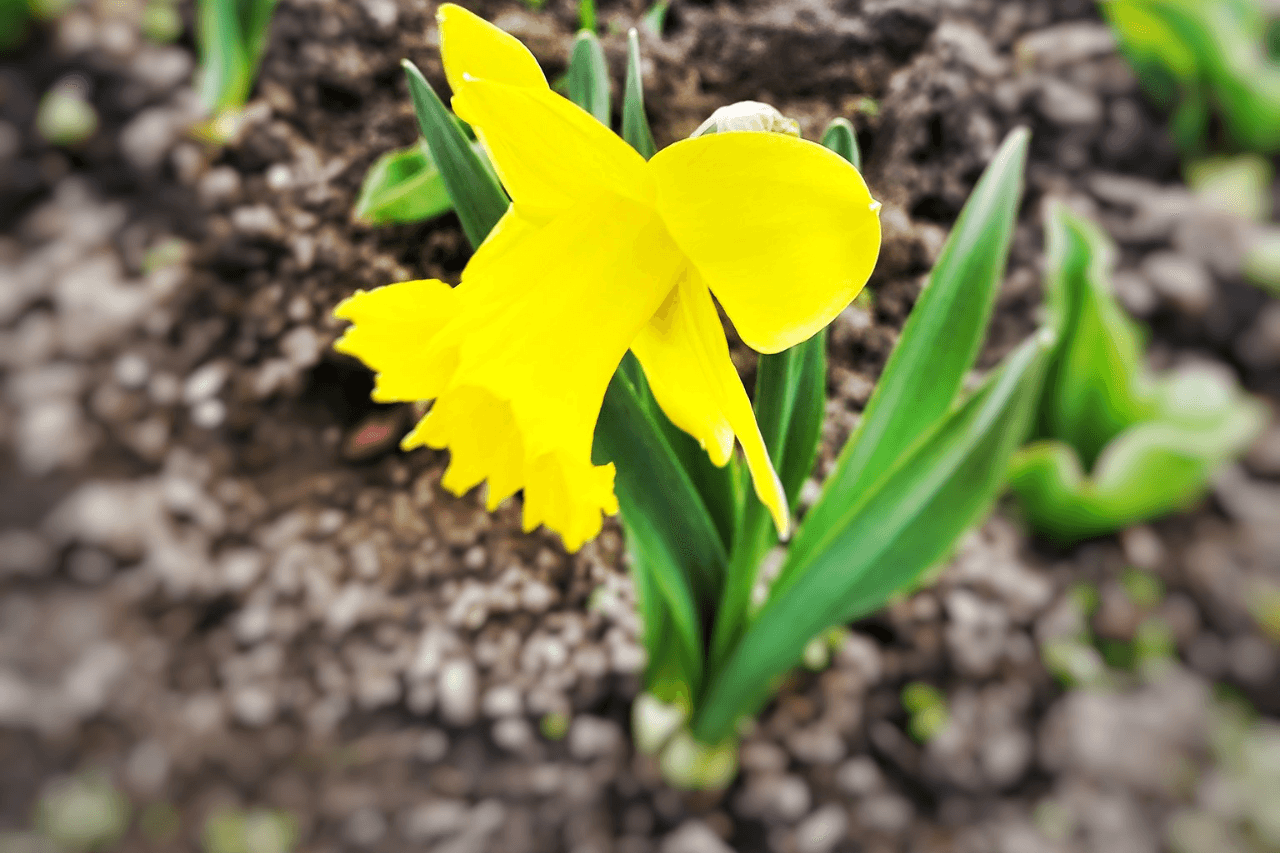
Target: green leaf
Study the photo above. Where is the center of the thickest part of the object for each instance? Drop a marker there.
(1093, 390)
(1151, 469)
(635, 124)
(589, 76)
(587, 15)
(669, 527)
(656, 18)
(477, 196)
(938, 345)
(404, 185)
(840, 138)
(231, 36)
(898, 528)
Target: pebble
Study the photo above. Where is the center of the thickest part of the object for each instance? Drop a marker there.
(457, 686)
(885, 812)
(592, 737)
(821, 831)
(1181, 280)
(1068, 105)
(148, 136)
(694, 836)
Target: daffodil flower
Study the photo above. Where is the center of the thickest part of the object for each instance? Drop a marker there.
(601, 252)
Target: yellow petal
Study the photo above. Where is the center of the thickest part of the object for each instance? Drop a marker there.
(686, 360)
(538, 331)
(472, 47)
(548, 152)
(392, 328)
(783, 231)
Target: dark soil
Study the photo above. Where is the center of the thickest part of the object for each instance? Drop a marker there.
(224, 588)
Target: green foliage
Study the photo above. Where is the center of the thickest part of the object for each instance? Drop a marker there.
(1115, 445)
(83, 813)
(1201, 58)
(231, 36)
(840, 138)
(404, 185)
(635, 126)
(253, 831)
(927, 709)
(474, 189)
(589, 76)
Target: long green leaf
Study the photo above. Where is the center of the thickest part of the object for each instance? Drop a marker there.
(899, 528)
(668, 525)
(589, 76)
(938, 346)
(231, 35)
(635, 124)
(404, 185)
(477, 196)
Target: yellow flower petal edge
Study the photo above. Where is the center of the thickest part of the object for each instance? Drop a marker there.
(472, 47)
(601, 252)
(784, 232)
(686, 359)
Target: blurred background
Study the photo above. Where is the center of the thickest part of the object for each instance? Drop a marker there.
(235, 619)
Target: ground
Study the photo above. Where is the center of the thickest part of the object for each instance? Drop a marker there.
(226, 593)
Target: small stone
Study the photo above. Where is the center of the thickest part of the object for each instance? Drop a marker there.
(593, 737)
(514, 734)
(885, 812)
(257, 221)
(433, 820)
(254, 706)
(694, 836)
(859, 776)
(146, 139)
(1181, 280)
(502, 700)
(219, 185)
(1068, 105)
(821, 831)
(457, 688)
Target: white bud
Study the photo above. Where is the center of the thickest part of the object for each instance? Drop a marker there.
(751, 116)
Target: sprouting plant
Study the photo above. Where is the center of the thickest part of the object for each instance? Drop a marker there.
(231, 36)
(583, 362)
(1115, 445)
(1201, 58)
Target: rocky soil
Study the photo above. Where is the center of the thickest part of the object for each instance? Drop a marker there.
(225, 596)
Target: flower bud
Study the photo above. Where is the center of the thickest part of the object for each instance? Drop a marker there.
(750, 116)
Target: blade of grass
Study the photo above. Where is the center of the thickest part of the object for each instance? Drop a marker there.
(589, 76)
(938, 346)
(635, 124)
(477, 196)
(898, 529)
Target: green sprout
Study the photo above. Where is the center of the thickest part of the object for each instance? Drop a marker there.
(231, 36)
(1114, 445)
(927, 707)
(65, 117)
(84, 813)
(256, 830)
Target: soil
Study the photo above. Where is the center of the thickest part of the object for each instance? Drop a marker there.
(224, 589)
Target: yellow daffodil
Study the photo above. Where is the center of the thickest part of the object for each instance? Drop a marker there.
(601, 252)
